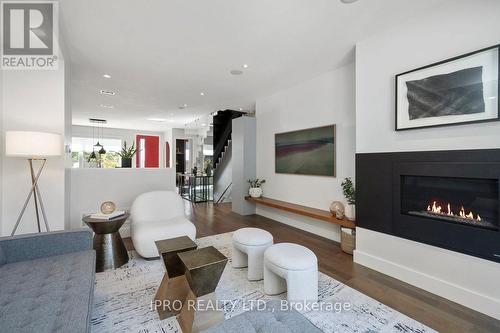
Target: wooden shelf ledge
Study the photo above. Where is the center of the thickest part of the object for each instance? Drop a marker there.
(314, 213)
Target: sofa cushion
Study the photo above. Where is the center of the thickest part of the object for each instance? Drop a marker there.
(52, 294)
(270, 320)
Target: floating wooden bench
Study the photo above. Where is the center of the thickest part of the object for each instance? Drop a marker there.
(314, 213)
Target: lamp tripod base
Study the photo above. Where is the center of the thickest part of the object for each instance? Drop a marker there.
(38, 201)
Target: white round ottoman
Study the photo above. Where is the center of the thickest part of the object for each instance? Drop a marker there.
(249, 245)
(293, 266)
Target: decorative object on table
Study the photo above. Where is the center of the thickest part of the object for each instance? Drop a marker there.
(306, 152)
(104, 216)
(337, 209)
(194, 171)
(174, 286)
(108, 207)
(35, 146)
(126, 154)
(347, 239)
(350, 194)
(255, 189)
(460, 90)
(108, 244)
(203, 269)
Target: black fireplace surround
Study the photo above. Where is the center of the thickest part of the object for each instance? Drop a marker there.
(448, 199)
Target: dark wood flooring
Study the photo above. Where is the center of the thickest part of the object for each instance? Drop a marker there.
(434, 311)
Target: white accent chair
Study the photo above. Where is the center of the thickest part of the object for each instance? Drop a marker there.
(155, 216)
(249, 245)
(293, 268)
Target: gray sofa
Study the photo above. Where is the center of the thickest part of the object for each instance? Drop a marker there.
(47, 282)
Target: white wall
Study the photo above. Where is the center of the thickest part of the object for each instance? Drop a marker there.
(443, 33)
(243, 168)
(91, 187)
(122, 134)
(324, 100)
(32, 100)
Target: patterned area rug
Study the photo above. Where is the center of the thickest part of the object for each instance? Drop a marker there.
(123, 300)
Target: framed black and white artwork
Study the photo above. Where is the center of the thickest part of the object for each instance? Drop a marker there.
(460, 90)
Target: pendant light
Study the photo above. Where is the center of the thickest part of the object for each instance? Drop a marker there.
(102, 151)
(92, 154)
(98, 145)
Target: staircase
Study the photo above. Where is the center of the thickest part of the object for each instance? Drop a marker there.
(222, 133)
(222, 154)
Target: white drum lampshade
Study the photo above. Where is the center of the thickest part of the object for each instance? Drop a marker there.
(33, 144)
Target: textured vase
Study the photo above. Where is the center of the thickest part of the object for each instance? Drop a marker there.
(255, 192)
(350, 212)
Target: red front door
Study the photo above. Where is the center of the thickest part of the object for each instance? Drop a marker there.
(148, 151)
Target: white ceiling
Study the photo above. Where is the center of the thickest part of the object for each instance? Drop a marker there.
(162, 54)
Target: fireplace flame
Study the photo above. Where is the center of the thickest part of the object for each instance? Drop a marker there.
(436, 208)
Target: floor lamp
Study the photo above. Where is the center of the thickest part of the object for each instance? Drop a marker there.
(35, 146)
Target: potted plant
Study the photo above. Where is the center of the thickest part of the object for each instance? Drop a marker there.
(126, 154)
(255, 190)
(350, 194)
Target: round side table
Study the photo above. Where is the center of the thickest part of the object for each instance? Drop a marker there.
(108, 244)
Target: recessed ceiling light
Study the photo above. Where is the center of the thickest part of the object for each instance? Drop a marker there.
(106, 76)
(107, 92)
(161, 120)
(203, 124)
(106, 106)
(240, 109)
(348, 1)
(236, 72)
(202, 94)
(244, 66)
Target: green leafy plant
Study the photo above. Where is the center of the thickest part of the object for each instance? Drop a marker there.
(256, 182)
(207, 166)
(127, 152)
(349, 190)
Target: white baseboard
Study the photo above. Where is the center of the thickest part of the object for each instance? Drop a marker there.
(471, 299)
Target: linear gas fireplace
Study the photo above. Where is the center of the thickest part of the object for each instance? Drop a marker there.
(468, 201)
(448, 199)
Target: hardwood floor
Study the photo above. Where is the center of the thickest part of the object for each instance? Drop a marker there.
(434, 311)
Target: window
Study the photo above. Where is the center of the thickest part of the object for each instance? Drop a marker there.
(82, 148)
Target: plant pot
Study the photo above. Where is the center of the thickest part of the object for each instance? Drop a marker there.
(255, 192)
(350, 212)
(126, 162)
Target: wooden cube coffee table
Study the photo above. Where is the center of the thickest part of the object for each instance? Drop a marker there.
(203, 269)
(174, 287)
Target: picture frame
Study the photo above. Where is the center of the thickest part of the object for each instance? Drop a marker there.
(309, 151)
(456, 91)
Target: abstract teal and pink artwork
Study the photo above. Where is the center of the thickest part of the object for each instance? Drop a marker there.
(306, 152)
